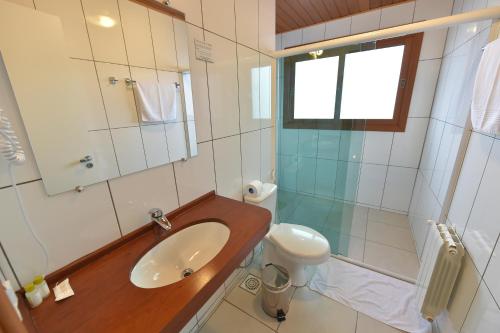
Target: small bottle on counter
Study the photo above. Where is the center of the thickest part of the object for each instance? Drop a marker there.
(42, 286)
(33, 295)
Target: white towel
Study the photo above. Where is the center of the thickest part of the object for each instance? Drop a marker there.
(168, 101)
(485, 108)
(146, 94)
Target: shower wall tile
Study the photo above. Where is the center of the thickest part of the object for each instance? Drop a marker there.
(484, 314)
(329, 144)
(306, 175)
(399, 188)
(291, 38)
(308, 143)
(288, 173)
(267, 155)
(162, 33)
(250, 156)
(433, 44)
(407, 146)
(351, 146)
(192, 9)
(371, 184)
(377, 147)
(289, 141)
(326, 173)
(248, 82)
(424, 88)
(429, 9)
(346, 185)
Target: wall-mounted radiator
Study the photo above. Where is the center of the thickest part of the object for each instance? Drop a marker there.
(441, 262)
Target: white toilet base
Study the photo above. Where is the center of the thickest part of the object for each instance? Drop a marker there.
(300, 274)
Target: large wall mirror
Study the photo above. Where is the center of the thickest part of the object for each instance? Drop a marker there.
(103, 91)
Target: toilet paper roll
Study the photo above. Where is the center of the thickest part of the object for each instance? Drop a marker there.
(253, 189)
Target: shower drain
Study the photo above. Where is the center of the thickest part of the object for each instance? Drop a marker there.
(251, 284)
(187, 272)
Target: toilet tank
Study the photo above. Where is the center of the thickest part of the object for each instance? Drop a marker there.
(267, 199)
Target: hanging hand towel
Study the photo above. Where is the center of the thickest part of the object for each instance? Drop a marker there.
(168, 101)
(485, 108)
(146, 94)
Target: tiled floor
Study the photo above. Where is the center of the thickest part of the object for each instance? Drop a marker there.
(241, 312)
(381, 239)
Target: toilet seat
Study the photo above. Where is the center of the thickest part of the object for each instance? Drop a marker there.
(300, 243)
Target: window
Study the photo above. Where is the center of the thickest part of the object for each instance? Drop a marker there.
(358, 87)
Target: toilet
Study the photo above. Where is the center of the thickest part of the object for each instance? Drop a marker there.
(297, 248)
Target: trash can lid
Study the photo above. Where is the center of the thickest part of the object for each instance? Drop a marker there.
(275, 277)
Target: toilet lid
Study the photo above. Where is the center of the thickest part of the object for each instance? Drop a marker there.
(300, 241)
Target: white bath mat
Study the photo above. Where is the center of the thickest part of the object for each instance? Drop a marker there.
(379, 296)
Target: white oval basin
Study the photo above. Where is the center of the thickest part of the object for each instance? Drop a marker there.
(179, 255)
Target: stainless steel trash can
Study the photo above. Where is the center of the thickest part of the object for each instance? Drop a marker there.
(276, 291)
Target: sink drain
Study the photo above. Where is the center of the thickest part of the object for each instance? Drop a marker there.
(187, 272)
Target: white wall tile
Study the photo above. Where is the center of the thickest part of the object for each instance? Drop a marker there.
(407, 146)
(247, 22)
(176, 140)
(313, 33)
(267, 25)
(291, 38)
(424, 88)
(250, 156)
(195, 176)
(364, 22)
(223, 87)
(433, 44)
(371, 184)
(192, 9)
(137, 33)
(199, 88)
(105, 30)
(162, 33)
(118, 98)
(484, 315)
(377, 147)
(155, 145)
(90, 95)
(267, 158)
(218, 17)
(267, 90)
(397, 15)
(482, 232)
(471, 173)
(75, 32)
(338, 28)
(429, 9)
(134, 195)
(129, 149)
(278, 42)
(493, 272)
(103, 155)
(227, 156)
(399, 188)
(181, 44)
(431, 148)
(248, 83)
(64, 223)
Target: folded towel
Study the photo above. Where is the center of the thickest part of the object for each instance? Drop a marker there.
(168, 101)
(146, 94)
(485, 108)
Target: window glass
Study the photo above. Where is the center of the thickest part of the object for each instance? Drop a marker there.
(370, 84)
(315, 88)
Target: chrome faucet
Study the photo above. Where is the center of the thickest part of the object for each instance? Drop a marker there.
(157, 216)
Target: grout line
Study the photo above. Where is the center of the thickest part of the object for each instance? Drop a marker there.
(2, 249)
(21, 183)
(114, 208)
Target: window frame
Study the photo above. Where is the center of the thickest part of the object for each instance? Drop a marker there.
(407, 75)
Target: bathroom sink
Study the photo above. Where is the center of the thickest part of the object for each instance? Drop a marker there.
(180, 255)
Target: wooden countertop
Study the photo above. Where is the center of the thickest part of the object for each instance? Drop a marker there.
(106, 301)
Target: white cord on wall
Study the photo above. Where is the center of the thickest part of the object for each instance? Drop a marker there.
(12, 151)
